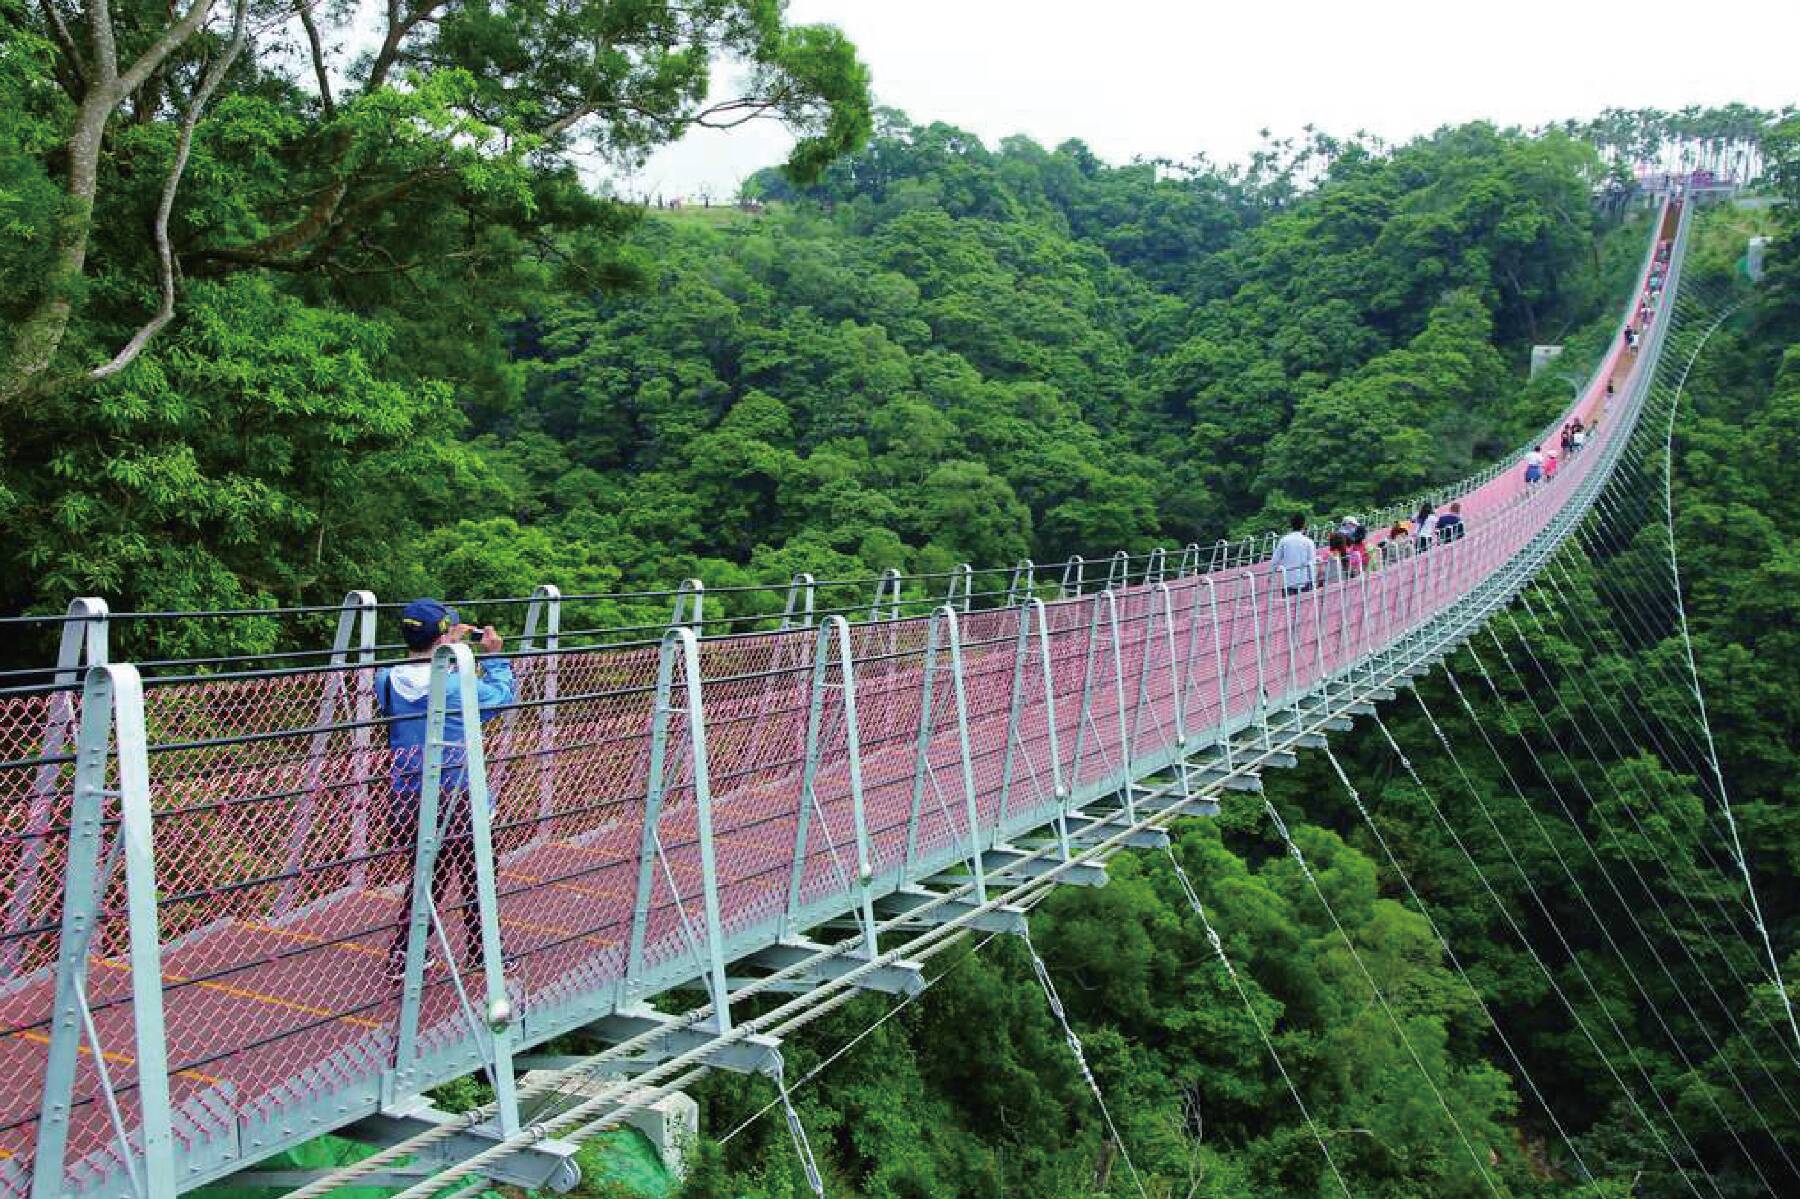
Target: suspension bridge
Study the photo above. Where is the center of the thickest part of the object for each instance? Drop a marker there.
(206, 894)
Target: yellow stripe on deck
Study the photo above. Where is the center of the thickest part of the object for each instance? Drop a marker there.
(577, 888)
(591, 851)
(315, 938)
(124, 1059)
(532, 926)
(260, 997)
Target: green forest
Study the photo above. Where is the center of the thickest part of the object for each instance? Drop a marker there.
(277, 321)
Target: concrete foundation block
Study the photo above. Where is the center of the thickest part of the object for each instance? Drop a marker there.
(671, 1124)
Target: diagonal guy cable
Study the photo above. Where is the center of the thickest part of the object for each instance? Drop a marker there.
(1450, 952)
(1687, 641)
(1218, 948)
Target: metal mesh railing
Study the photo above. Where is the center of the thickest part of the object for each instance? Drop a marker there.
(285, 831)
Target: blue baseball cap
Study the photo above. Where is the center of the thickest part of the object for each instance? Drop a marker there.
(425, 620)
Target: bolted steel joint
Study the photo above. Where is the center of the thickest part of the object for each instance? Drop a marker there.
(500, 1014)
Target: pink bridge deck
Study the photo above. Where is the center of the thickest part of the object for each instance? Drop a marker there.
(279, 883)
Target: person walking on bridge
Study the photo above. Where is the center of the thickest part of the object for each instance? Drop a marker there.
(1450, 525)
(1295, 558)
(1399, 544)
(1425, 527)
(403, 693)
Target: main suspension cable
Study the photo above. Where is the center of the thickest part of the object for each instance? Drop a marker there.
(1687, 642)
(1597, 700)
(1631, 916)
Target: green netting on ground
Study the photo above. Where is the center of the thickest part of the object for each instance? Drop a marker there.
(621, 1163)
(321, 1154)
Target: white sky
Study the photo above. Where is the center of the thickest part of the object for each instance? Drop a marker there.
(1174, 77)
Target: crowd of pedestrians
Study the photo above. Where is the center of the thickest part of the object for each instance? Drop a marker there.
(1299, 564)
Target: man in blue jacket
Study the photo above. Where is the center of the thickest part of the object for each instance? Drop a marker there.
(403, 693)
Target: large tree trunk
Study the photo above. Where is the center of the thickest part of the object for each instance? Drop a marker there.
(40, 335)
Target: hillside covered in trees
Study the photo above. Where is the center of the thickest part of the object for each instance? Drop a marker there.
(940, 352)
(382, 336)
(1573, 999)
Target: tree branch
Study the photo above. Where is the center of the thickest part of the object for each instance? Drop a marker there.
(106, 49)
(184, 144)
(304, 8)
(150, 59)
(65, 42)
(276, 253)
(400, 23)
(752, 107)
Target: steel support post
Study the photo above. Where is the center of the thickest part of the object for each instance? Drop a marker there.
(648, 840)
(1074, 576)
(1023, 583)
(1084, 716)
(137, 829)
(545, 612)
(865, 854)
(961, 589)
(1185, 664)
(1364, 640)
(1111, 600)
(1393, 587)
(944, 638)
(1262, 684)
(1414, 567)
(887, 591)
(1189, 566)
(690, 606)
(703, 810)
(1341, 669)
(680, 650)
(428, 840)
(809, 771)
(80, 914)
(1135, 722)
(461, 661)
(1059, 786)
(1290, 623)
(1015, 709)
(965, 752)
(1319, 592)
(1157, 566)
(1118, 571)
(922, 744)
(1161, 604)
(1177, 699)
(83, 643)
(1221, 664)
(1320, 667)
(356, 619)
(797, 611)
